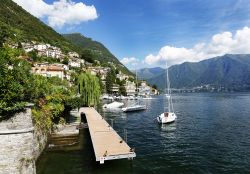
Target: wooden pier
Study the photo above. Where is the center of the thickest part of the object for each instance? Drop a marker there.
(107, 144)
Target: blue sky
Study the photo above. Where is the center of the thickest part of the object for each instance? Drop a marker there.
(139, 28)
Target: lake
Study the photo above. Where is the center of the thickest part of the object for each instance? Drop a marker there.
(211, 135)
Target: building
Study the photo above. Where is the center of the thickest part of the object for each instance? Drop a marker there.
(54, 52)
(40, 47)
(74, 62)
(130, 88)
(73, 55)
(144, 89)
(115, 89)
(27, 47)
(43, 50)
(101, 71)
(122, 76)
(49, 70)
(65, 67)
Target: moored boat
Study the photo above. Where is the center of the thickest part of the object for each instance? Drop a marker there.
(134, 108)
(113, 105)
(167, 116)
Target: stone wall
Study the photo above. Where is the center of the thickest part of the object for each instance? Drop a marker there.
(20, 144)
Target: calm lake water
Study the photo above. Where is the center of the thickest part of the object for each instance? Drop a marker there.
(210, 135)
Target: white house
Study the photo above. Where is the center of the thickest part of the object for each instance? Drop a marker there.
(130, 88)
(115, 89)
(73, 55)
(74, 62)
(40, 47)
(122, 76)
(144, 89)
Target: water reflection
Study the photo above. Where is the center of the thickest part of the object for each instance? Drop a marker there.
(168, 130)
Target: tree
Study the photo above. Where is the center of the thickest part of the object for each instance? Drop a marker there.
(131, 79)
(87, 55)
(65, 61)
(110, 80)
(33, 54)
(4, 34)
(122, 91)
(116, 71)
(154, 86)
(89, 89)
(102, 87)
(19, 45)
(14, 78)
(51, 96)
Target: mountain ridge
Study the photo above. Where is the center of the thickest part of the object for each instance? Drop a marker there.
(99, 51)
(229, 70)
(147, 73)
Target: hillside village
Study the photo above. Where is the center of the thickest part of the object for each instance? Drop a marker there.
(66, 69)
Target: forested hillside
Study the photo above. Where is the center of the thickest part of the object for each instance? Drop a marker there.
(98, 50)
(229, 71)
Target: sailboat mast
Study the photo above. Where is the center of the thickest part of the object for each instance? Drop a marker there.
(168, 90)
(136, 82)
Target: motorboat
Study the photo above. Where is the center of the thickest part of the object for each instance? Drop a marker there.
(131, 97)
(134, 108)
(124, 97)
(112, 105)
(107, 97)
(147, 97)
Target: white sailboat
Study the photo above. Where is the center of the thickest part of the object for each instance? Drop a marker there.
(167, 116)
(138, 106)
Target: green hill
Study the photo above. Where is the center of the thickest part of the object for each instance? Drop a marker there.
(149, 73)
(21, 26)
(27, 27)
(98, 50)
(230, 71)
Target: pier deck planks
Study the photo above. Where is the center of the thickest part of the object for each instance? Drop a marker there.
(108, 145)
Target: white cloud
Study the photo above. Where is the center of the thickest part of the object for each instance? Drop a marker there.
(60, 12)
(220, 44)
(130, 61)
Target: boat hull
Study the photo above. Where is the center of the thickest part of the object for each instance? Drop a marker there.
(166, 117)
(134, 108)
(113, 105)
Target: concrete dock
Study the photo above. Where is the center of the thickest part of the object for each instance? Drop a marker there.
(107, 144)
(65, 135)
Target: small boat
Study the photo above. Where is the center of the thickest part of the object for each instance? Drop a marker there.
(107, 97)
(113, 105)
(134, 108)
(167, 116)
(131, 97)
(124, 97)
(147, 97)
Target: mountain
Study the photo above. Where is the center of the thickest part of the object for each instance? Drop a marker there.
(229, 71)
(148, 73)
(25, 27)
(98, 50)
(21, 26)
